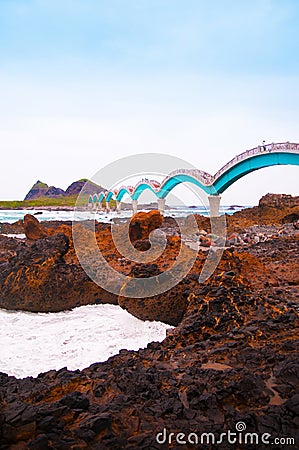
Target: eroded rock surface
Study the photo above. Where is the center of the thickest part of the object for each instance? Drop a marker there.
(279, 200)
(143, 223)
(33, 228)
(233, 357)
(37, 278)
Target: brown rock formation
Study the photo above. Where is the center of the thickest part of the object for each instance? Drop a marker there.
(273, 209)
(31, 268)
(12, 228)
(168, 307)
(279, 201)
(37, 278)
(33, 229)
(9, 247)
(143, 223)
(263, 215)
(171, 305)
(233, 357)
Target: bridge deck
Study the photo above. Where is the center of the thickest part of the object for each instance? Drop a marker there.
(210, 183)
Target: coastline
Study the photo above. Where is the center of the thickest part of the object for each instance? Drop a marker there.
(231, 357)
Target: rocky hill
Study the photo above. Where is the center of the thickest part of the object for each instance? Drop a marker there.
(42, 190)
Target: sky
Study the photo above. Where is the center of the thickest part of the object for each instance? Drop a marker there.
(86, 82)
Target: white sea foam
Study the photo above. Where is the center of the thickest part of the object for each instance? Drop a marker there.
(32, 343)
(16, 214)
(19, 236)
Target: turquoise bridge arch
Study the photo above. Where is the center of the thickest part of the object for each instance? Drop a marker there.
(252, 164)
(249, 161)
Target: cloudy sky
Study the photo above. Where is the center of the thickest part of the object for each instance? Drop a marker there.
(85, 82)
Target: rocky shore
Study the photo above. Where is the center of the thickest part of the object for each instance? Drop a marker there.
(233, 356)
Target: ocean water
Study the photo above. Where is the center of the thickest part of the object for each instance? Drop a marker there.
(32, 343)
(11, 216)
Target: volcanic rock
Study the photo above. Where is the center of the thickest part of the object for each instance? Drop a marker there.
(279, 201)
(37, 278)
(205, 241)
(142, 245)
(233, 358)
(12, 228)
(33, 229)
(168, 307)
(143, 223)
(293, 217)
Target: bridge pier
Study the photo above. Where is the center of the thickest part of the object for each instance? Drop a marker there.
(118, 207)
(135, 206)
(214, 201)
(161, 205)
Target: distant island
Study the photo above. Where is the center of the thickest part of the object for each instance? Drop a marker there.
(43, 195)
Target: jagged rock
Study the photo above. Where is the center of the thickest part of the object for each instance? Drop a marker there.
(293, 217)
(205, 241)
(12, 228)
(169, 306)
(233, 355)
(143, 223)
(143, 245)
(279, 201)
(33, 229)
(37, 278)
(232, 358)
(9, 247)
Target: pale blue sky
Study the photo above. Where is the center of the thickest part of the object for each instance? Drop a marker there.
(83, 82)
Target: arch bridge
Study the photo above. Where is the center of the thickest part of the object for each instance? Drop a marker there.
(274, 154)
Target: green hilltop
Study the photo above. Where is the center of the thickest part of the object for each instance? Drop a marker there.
(41, 195)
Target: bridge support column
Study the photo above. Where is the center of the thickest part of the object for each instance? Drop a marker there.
(161, 205)
(118, 207)
(214, 201)
(135, 206)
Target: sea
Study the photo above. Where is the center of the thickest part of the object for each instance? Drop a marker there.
(32, 343)
(11, 216)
